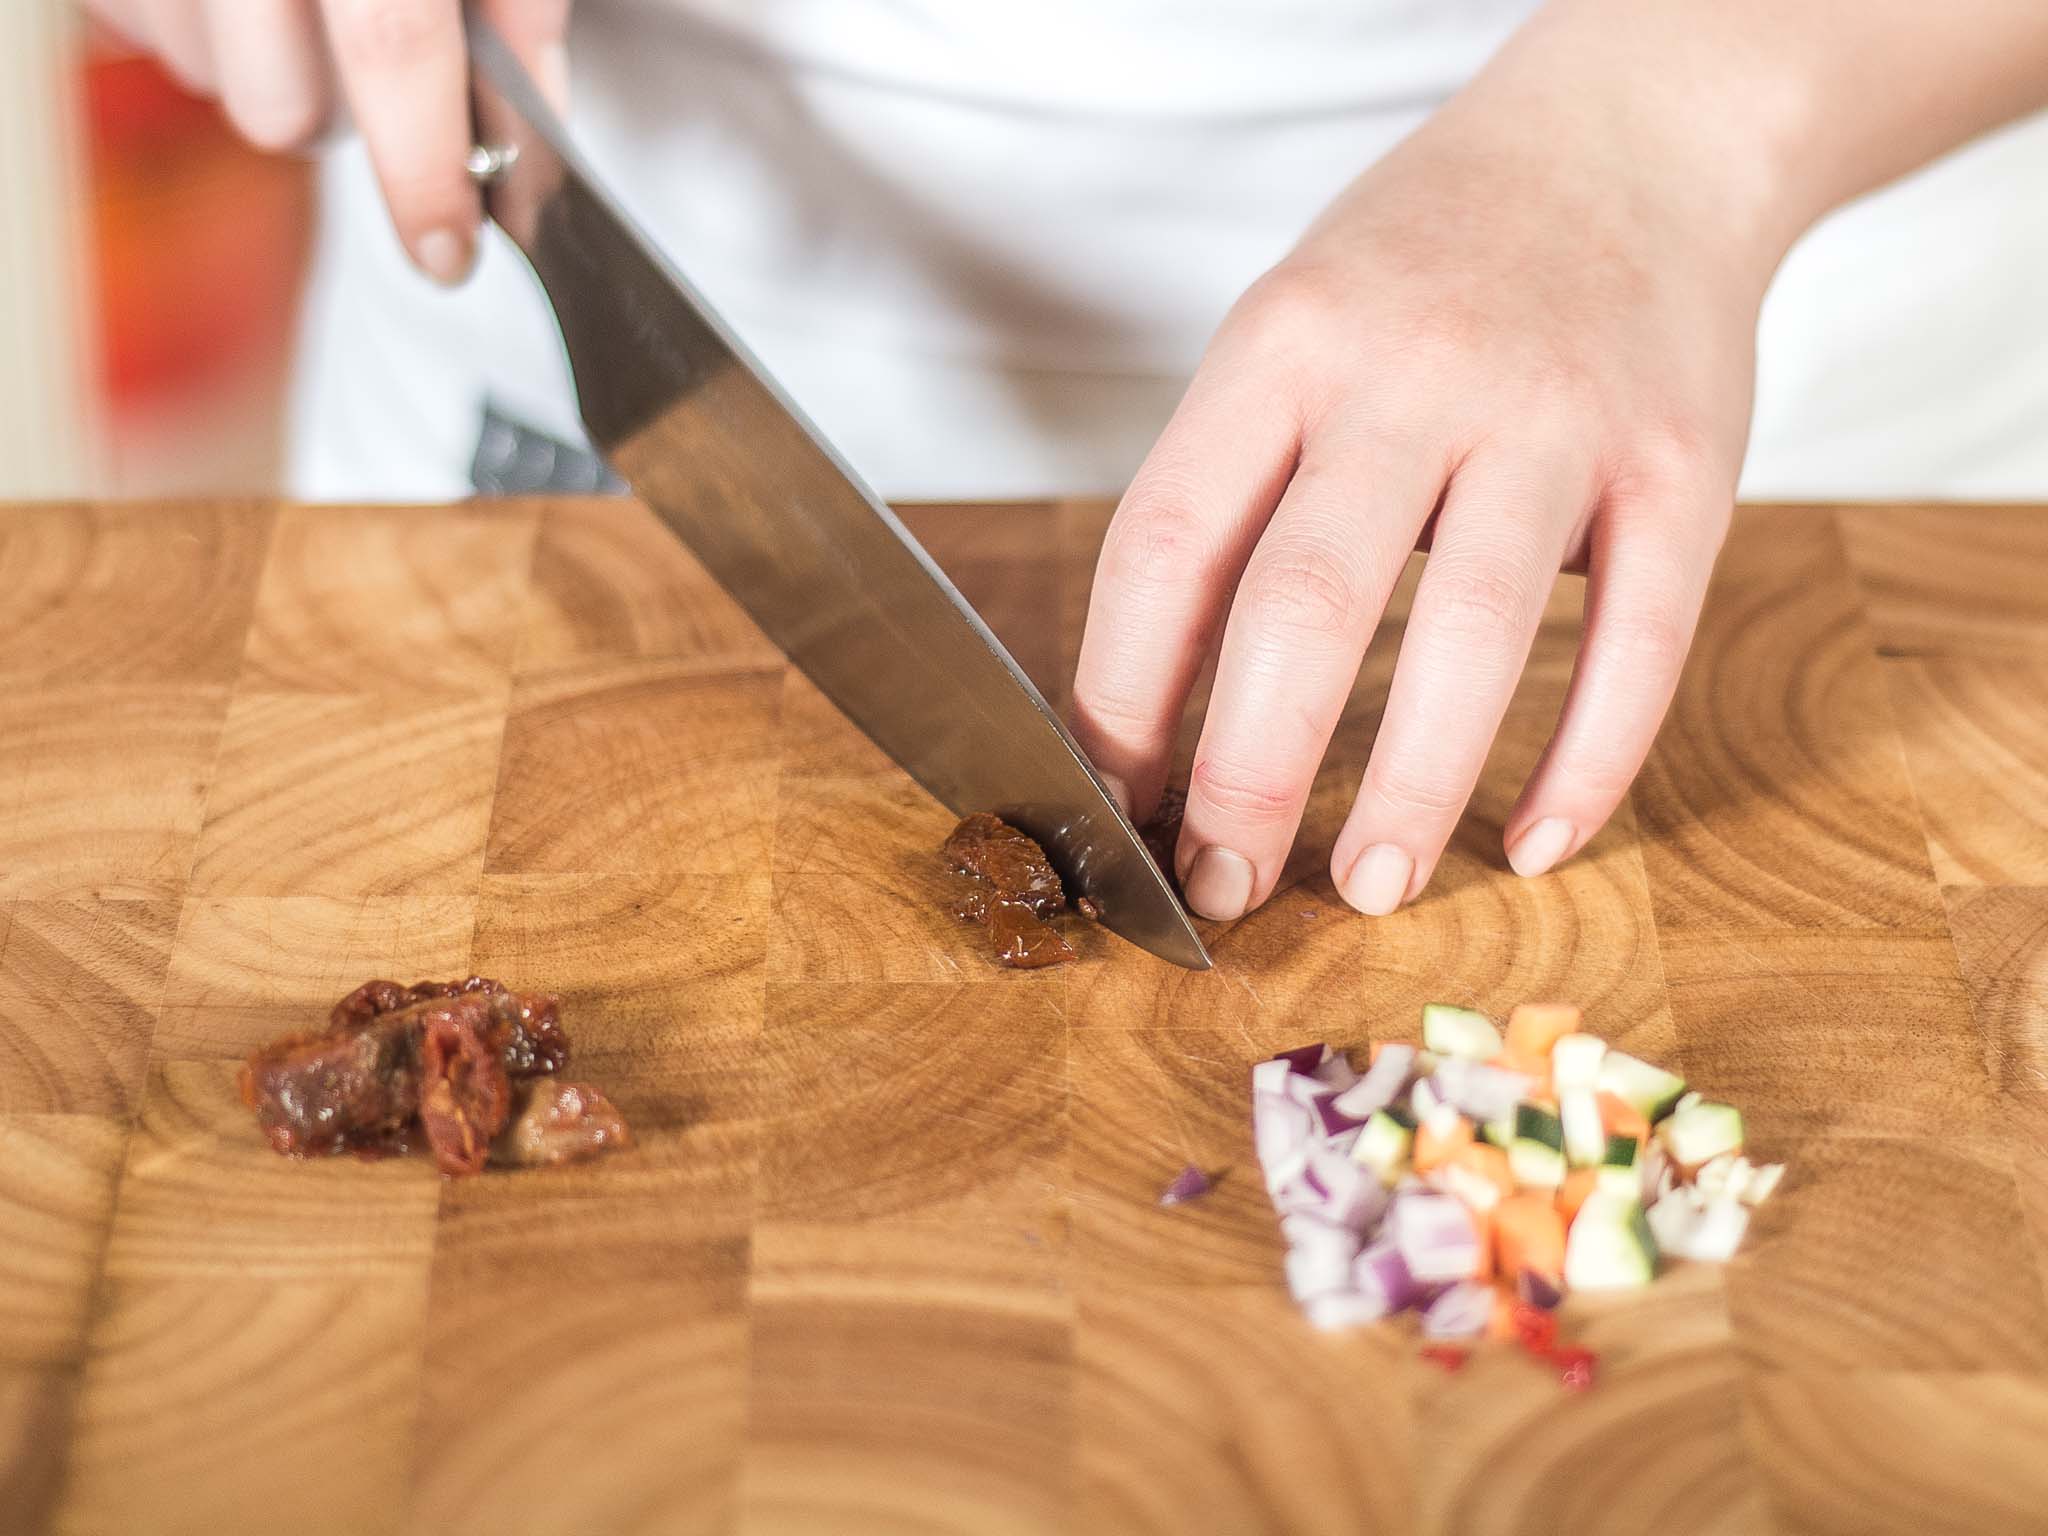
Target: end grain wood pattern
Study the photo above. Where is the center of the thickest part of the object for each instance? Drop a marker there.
(887, 1257)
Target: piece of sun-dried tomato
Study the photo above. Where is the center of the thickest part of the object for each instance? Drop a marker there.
(465, 1092)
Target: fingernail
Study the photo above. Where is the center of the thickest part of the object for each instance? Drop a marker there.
(444, 256)
(1379, 880)
(551, 74)
(1541, 846)
(1219, 885)
(1119, 791)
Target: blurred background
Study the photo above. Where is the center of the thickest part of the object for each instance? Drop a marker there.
(146, 325)
(151, 269)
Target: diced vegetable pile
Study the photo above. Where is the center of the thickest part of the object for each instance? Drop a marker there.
(1477, 1179)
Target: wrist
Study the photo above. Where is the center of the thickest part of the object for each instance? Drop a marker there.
(1694, 131)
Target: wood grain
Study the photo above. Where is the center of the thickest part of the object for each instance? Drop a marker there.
(888, 1256)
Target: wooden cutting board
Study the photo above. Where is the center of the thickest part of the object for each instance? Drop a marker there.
(888, 1257)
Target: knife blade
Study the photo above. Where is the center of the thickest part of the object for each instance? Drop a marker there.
(706, 438)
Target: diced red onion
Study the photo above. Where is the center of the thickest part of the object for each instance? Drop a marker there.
(1380, 1271)
(1319, 1259)
(1381, 1085)
(1708, 1233)
(1538, 1290)
(1481, 1092)
(1307, 1090)
(1189, 1184)
(1436, 1237)
(1352, 1197)
(1424, 1100)
(1460, 1312)
(1333, 1121)
(1271, 1076)
(1283, 1132)
(1345, 1309)
(1305, 1058)
(1337, 1072)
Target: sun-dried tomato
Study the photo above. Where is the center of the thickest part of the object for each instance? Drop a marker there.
(465, 1092)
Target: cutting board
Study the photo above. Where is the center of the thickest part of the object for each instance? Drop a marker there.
(888, 1256)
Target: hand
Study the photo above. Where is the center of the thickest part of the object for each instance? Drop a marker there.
(401, 66)
(1524, 341)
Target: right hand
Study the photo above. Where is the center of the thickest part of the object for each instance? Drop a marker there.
(401, 66)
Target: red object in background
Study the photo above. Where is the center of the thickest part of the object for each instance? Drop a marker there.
(201, 240)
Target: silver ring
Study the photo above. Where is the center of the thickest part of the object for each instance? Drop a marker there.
(487, 162)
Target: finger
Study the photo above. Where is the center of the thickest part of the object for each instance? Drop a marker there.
(1649, 571)
(1177, 542)
(273, 75)
(405, 73)
(178, 33)
(538, 32)
(1312, 594)
(1503, 529)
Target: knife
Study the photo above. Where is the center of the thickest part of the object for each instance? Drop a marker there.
(709, 441)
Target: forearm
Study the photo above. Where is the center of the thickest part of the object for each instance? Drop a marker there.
(1774, 110)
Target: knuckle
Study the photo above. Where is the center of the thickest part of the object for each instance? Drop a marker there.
(381, 34)
(1602, 778)
(1478, 600)
(1411, 787)
(276, 120)
(1291, 309)
(1244, 792)
(1155, 540)
(1303, 590)
(1675, 465)
(1648, 642)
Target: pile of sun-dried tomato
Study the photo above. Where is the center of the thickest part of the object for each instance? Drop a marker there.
(466, 1066)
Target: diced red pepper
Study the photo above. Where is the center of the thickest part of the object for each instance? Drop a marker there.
(1448, 1356)
(1535, 1328)
(1574, 1366)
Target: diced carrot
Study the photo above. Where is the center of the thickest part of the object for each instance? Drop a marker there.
(1372, 1053)
(1528, 1233)
(1488, 1162)
(1577, 1185)
(1619, 1118)
(1533, 1028)
(1434, 1148)
(1483, 1220)
(1500, 1322)
(1528, 1065)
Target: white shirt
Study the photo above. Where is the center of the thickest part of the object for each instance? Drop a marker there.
(983, 245)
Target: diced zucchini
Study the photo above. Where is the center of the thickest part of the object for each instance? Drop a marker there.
(1618, 1169)
(1452, 1031)
(1400, 1114)
(1701, 1132)
(1575, 1061)
(1585, 1139)
(1500, 1132)
(1609, 1246)
(1650, 1091)
(1535, 1165)
(1536, 1155)
(1535, 1123)
(1382, 1146)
